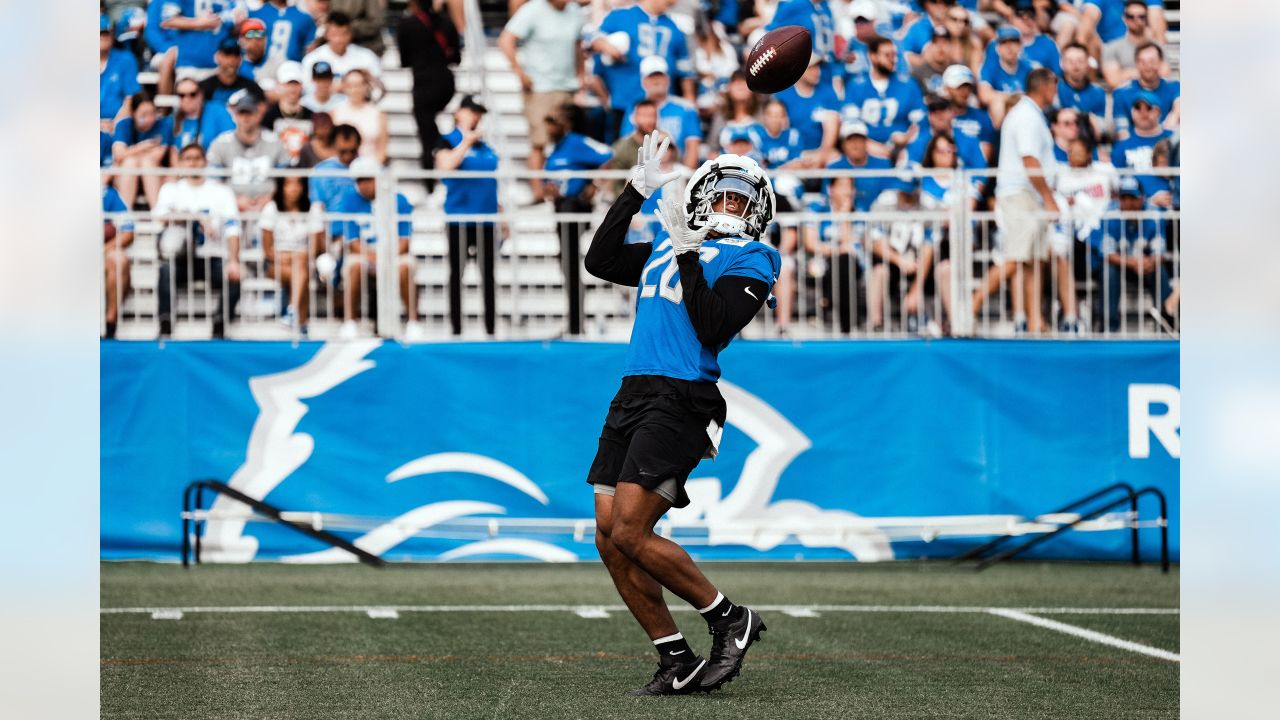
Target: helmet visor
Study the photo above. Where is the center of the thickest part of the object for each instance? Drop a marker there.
(747, 192)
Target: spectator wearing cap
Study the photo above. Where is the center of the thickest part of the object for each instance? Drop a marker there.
(816, 17)
(1132, 251)
(920, 33)
(340, 52)
(200, 37)
(359, 110)
(1075, 90)
(249, 152)
(141, 142)
(855, 149)
(163, 43)
(428, 42)
(320, 97)
(1149, 58)
(856, 62)
(288, 118)
(289, 41)
(368, 17)
(329, 189)
(942, 121)
(1136, 150)
(814, 112)
(960, 86)
(117, 237)
(937, 56)
(257, 64)
(359, 239)
(648, 26)
(549, 62)
(1005, 73)
(196, 121)
(1118, 63)
(891, 107)
(677, 117)
(464, 148)
(644, 120)
(1038, 49)
(117, 78)
(227, 80)
(573, 150)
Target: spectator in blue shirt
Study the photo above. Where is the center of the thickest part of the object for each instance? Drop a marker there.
(327, 190)
(920, 33)
(1075, 90)
(677, 117)
(1132, 252)
(1137, 150)
(360, 252)
(163, 42)
(816, 17)
(104, 149)
(296, 31)
(814, 111)
(200, 35)
(856, 155)
(856, 62)
(971, 121)
(1004, 74)
(572, 150)
(117, 78)
(778, 143)
(835, 248)
(1102, 21)
(195, 121)
(117, 237)
(1038, 49)
(942, 122)
(1149, 57)
(464, 149)
(141, 142)
(888, 105)
(650, 31)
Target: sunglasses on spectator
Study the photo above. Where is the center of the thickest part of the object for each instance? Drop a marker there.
(1136, 16)
(193, 93)
(255, 34)
(1144, 107)
(861, 19)
(963, 20)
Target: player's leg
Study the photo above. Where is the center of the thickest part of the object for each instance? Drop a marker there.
(641, 593)
(635, 512)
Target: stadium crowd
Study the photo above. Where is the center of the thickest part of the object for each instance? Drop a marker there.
(923, 85)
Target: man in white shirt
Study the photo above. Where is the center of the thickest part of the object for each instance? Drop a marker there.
(339, 51)
(1024, 198)
(201, 240)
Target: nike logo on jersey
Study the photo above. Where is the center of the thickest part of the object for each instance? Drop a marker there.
(742, 644)
(679, 684)
(753, 295)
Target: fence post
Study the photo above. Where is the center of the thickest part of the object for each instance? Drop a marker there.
(388, 247)
(961, 242)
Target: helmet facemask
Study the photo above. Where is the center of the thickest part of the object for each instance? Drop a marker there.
(724, 192)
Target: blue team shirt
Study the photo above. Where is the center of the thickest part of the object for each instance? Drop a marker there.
(113, 204)
(976, 123)
(806, 113)
(1136, 152)
(829, 230)
(857, 64)
(918, 35)
(994, 74)
(162, 130)
(663, 341)
(895, 110)
(1091, 98)
(160, 39)
(577, 152)
(968, 148)
(104, 149)
(1129, 237)
(1167, 91)
(817, 18)
(471, 196)
(1042, 52)
(362, 229)
(213, 121)
(650, 35)
(329, 190)
(196, 47)
(867, 189)
(117, 81)
(778, 150)
(289, 31)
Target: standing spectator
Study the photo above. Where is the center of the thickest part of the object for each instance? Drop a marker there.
(339, 51)
(1075, 90)
(227, 80)
(938, 192)
(141, 142)
(1132, 249)
(650, 31)
(196, 121)
(249, 153)
(117, 237)
(816, 17)
(1004, 74)
(959, 85)
(464, 148)
(891, 107)
(428, 43)
(935, 59)
(367, 20)
(677, 117)
(292, 234)
(359, 239)
(1038, 50)
(1118, 63)
(291, 31)
(288, 118)
(201, 240)
(644, 120)
(813, 110)
(203, 26)
(572, 150)
(1023, 191)
(1149, 58)
(163, 42)
(856, 62)
(920, 33)
(329, 189)
(256, 64)
(117, 78)
(1137, 150)
(549, 65)
(321, 97)
(358, 110)
(319, 11)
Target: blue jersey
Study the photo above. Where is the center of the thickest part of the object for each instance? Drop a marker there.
(663, 340)
(918, 35)
(895, 110)
(1136, 152)
(1090, 99)
(162, 130)
(779, 150)
(976, 123)
(968, 148)
(112, 204)
(994, 74)
(817, 18)
(212, 122)
(677, 117)
(160, 39)
(471, 196)
(650, 35)
(117, 81)
(329, 190)
(830, 231)
(857, 64)
(1042, 52)
(362, 229)
(289, 31)
(754, 130)
(1167, 91)
(577, 152)
(806, 113)
(196, 47)
(867, 189)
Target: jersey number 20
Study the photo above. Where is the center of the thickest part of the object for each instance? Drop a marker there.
(666, 262)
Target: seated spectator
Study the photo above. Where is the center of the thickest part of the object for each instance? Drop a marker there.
(249, 153)
(367, 19)
(677, 117)
(937, 56)
(292, 234)
(835, 251)
(117, 229)
(339, 52)
(1037, 49)
(321, 97)
(938, 192)
(856, 155)
(359, 110)
(1083, 187)
(890, 107)
(163, 42)
(1137, 150)
(256, 64)
(1149, 59)
(1132, 251)
(288, 118)
(327, 190)
(715, 58)
(196, 121)
(959, 86)
(117, 78)
(1102, 21)
(320, 146)
(648, 27)
(920, 32)
(292, 39)
(227, 80)
(777, 142)
(1118, 63)
(201, 240)
(1075, 90)
(1064, 123)
(360, 248)
(198, 38)
(941, 113)
(740, 109)
(813, 110)
(1003, 74)
(141, 141)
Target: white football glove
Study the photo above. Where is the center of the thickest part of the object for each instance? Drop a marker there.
(647, 175)
(683, 239)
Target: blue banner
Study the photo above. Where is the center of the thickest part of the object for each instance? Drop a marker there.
(853, 450)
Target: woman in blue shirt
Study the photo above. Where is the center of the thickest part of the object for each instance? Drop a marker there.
(141, 142)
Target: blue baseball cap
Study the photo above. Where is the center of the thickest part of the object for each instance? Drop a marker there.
(1008, 32)
(1129, 186)
(104, 24)
(1147, 97)
(739, 134)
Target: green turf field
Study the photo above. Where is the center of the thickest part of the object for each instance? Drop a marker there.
(889, 644)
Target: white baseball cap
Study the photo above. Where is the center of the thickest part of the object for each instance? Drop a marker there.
(289, 71)
(864, 9)
(652, 65)
(957, 75)
(853, 127)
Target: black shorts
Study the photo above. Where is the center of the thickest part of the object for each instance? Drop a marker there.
(658, 429)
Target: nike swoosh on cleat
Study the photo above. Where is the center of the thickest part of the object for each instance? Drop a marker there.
(679, 684)
(742, 644)
(753, 295)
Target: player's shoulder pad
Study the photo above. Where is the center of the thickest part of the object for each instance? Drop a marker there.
(754, 251)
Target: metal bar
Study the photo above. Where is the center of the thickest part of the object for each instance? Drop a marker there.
(992, 544)
(1164, 524)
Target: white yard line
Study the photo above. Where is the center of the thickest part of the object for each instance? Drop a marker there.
(1086, 634)
(593, 610)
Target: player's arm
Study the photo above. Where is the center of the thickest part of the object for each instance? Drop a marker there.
(609, 257)
(721, 312)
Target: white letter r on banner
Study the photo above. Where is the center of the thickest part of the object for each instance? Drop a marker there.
(1142, 424)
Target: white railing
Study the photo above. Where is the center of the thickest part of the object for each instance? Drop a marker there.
(885, 273)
